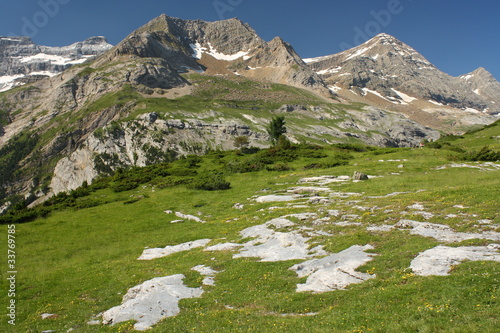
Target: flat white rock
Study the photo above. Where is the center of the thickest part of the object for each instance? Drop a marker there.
(440, 259)
(334, 272)
(443, 232)
(151, 301)
(149, 254)
(275, 198)
(271, 245)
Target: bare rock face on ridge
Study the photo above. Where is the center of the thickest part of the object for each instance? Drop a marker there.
(277, 61)
(482, 83)
(185, 43)
(22, 61)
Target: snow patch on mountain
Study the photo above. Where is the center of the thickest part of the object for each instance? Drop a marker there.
(199, 50)
(360, 52)
(404, 97)
(54, 59)
(330, 71)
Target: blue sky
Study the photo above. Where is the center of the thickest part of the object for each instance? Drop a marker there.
(458, 36)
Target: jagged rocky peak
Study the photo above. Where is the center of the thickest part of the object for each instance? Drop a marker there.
(479, 75)
(166, 36)
(387, 67)
(277, 61)
(483, 84)
(382, 50)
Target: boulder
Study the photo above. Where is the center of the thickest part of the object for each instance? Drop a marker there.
(359, 176)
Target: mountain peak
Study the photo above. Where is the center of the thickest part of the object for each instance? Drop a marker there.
(478, 74)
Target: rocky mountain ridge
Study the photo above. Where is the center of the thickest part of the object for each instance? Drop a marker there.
(22, 61)
(387, 71)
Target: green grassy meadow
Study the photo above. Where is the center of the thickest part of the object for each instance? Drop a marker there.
(78, 262)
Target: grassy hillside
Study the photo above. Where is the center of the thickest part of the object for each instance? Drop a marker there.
(81, 258)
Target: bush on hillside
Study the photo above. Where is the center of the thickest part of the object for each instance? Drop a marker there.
(210, 181)
(246, 165)
(486, 154)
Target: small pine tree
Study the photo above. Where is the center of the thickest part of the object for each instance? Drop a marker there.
(276, 128)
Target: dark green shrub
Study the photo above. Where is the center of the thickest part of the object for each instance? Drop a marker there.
(485, 154)
(243, 166)
(353, 147)
(249, 150)
(312, 154)
(276, 128)
(125, 185)
(24, 215)
(190, 161)
(279, 155)
(87, 203)
(171, 181)
(344, 156)
(131, 201)
(210, 181)
(182, 172)
(326, 164)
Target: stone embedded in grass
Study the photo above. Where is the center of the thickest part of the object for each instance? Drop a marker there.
(380, 228)
(189, 217)
(323, 180)
(185, 216)
(308, 189)
(486, 166)
(149, 254)
(275, 198)
(440, 259)
(443, 232)
(151, 301)
(416, 206)
(271, 245)
(334, 272)
(344, 194)
(359, 176)
(49, 315)
(223, 247)
(208, 272)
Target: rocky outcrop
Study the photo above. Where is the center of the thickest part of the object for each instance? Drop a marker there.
(144, 141)
(394, 130)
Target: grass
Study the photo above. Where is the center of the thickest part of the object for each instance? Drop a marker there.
(78, 263)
